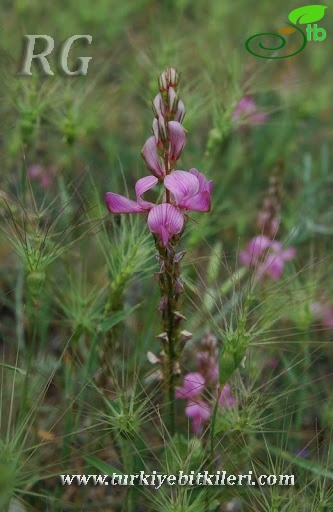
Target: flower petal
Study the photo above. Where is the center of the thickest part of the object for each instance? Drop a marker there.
(226, 397)
(258, 245)
(142, 185)
(165, 220)
(179, 115)
(182, 185)
(158, 105)
(199, 411)
(274, 265)
(204, 184)
(120, 204)
(245, 258)
(288, 254)
(150, 155)
(198, 203)
(193, 385)
(177, 136)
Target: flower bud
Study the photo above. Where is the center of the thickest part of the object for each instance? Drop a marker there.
(162, 129)
(178, 317)
(173, 77)
(180, 112)
(163, 337)
(152, 358)
(163, 304)
(158, 105)
(185, 337)
(163, 82)
(179, 287)
(179, 256)
(172, 100)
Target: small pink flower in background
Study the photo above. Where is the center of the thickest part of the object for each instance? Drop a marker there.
(273, 363)
(196, 408)
(193, 386)
(43, 175)
(323, 313)
(199, 412)
(268, 256)
(226, 397)
(268, 224)
(247, 113)
(208, 365)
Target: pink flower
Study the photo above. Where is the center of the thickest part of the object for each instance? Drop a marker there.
(165, 220)
(199, 412)
(208, 365)
(192, 387)
(323, 312)
(267, 255)
(120, 204)
(152, 160)
(246, 112)
(177, 136)
(226, 397)
(190, 190)
(44, 175)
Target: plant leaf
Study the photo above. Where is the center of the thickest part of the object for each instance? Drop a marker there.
(116, 319)
(307, 14)
(102, 466)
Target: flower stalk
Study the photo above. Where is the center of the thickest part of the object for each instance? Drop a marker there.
(183, 191)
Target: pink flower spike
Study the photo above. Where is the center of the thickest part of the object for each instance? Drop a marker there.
(199, 411)
(142, 185)
(193, 386)
(150, 155)
(177, 136)
(120, 204)
(165, 220)
(272, 262)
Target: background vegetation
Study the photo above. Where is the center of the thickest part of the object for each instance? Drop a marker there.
(78, 295)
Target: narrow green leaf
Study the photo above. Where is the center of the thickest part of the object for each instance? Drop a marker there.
(116, 319)
(309, 465)
(105, 468)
